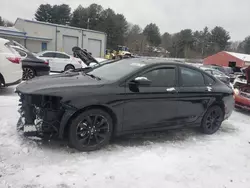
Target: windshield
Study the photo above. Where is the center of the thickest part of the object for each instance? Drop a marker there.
(117, 70)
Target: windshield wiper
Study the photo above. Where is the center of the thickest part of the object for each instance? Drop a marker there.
(93, 76)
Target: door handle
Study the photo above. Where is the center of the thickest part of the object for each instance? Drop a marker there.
(171, 89)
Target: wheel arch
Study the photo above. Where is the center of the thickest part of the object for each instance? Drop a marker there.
(218, 103)
(64, 128)
(29, 66)
(69, 64)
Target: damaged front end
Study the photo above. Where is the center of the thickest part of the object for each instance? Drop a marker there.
(40, 115)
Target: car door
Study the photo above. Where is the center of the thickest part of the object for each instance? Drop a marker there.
(61, 61)
(153, 105)
(193, 94)
(50, 57)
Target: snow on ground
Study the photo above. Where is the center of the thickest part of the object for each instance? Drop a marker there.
(175, 159)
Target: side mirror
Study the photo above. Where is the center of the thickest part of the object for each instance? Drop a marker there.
(143, 81)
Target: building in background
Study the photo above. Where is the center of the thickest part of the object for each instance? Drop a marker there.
(12, 33)
(40, 36)
(228, 59)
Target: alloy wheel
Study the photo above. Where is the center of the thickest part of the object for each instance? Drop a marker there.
(214, 119)
(92, 130)
(28, 73)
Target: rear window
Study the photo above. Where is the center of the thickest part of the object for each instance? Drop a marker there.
(10, 49)
(191, 77)
(21, 53)
(209, 81)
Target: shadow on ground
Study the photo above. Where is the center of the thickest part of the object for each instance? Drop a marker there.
(143, 139)
(8, 91)
(242, 111)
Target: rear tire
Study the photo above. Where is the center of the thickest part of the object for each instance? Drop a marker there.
(28, 73)
(212, 120)
(90, 130)
(69, 67)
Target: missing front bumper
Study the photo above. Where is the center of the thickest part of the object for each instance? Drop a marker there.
(39, 115)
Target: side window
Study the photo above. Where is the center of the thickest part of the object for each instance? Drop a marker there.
(63, 56)
(162, 77)
(191, 77)
(209, 81)
(48, 54)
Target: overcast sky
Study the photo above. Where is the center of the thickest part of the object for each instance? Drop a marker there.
(170, 15)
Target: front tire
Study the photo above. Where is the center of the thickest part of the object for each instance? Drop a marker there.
(212, 120)
(90, 130)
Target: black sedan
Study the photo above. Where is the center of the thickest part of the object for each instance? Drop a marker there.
(128, 96)
(32, 66)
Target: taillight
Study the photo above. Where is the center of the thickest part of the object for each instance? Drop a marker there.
(46, 62)
(14, 59)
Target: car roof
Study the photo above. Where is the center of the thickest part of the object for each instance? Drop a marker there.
(152, 61)
(52, 52)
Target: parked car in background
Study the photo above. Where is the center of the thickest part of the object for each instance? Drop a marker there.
(60, 61)
(128, 96)
(216, 73)
(10, 64)
(242, 90)
(226, 70)
(31, 65)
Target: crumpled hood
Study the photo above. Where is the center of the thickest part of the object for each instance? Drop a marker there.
(58, 84)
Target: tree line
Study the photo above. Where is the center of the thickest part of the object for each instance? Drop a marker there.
(184, 44)
(6, 23)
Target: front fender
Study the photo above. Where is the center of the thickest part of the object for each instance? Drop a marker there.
(72, 108)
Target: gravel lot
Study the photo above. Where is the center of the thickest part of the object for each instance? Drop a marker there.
(175, 159)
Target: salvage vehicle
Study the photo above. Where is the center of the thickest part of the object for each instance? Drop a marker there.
(31, 65)
(220, 75)
(128, 96)
(242, 90)
(10, 64)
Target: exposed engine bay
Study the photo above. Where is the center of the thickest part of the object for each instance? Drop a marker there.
(40, 115)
